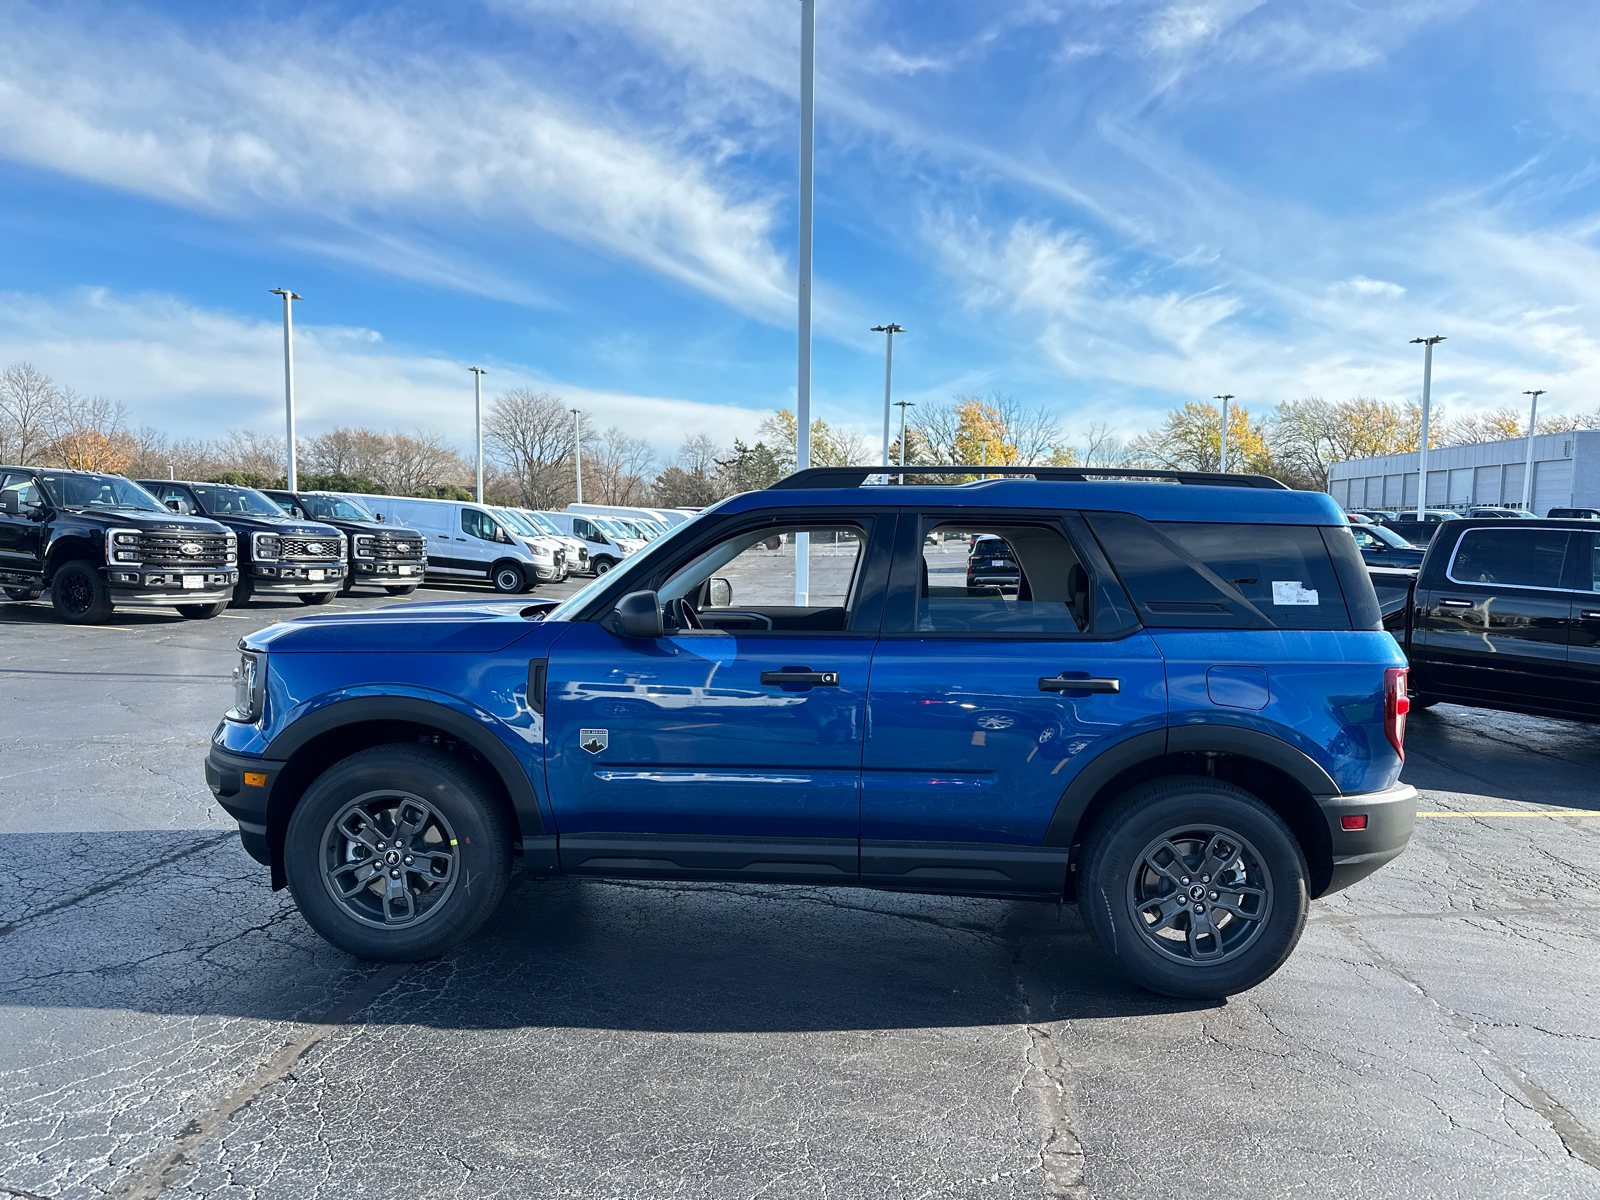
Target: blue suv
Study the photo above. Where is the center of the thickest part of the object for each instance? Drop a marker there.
(1182, 712)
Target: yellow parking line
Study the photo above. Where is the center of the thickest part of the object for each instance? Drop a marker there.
(1562, 812)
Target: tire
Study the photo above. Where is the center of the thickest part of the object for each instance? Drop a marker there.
(243, 592)
(315, 597)
(508, 578)
(1125, 877)
(79, 594)
(602, 565)
(401, 591)
(461, 831)
(203, 612)
(349, 584)
(24, 593)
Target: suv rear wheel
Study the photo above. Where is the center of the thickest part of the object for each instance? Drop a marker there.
(79, 594)
(1197, 887)
(397, 853)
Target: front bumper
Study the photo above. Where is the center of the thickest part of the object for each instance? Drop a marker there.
(387, 572)
(1391, 816)
(168, 588)
(293, 578)
(243, 787)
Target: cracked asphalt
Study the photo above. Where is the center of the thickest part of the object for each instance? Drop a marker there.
(172, 1028)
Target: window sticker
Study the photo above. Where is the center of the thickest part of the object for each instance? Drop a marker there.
(1289, 591)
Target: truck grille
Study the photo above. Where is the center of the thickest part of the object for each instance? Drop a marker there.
(300, 549)
(174, 548)
(386, 546)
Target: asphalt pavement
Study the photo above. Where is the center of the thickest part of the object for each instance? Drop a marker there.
(172, 1028)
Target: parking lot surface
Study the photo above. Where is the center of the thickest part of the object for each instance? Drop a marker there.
(172, 1027)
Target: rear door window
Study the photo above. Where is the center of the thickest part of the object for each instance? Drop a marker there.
(1510, 557)
(1014, 579)
(1198, 575)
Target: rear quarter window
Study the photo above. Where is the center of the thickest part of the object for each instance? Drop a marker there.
(1200, 575)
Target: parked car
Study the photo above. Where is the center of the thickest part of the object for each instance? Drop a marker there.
(992, 563)
(550, 563)
(1356, 518)
(466, 541)
(381, 555)
(666, 518)
(279, 555)
(1420, 533)
(1575, 514)
(1187, 718)
(1380, 514)
(607, 543)
(1506, 616)
(1381, 546)
(577, 552)
(99, 541)
(1501, 514)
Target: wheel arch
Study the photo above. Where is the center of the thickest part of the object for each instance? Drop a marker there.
(1281, 776)
(72, 548)
(322, 738)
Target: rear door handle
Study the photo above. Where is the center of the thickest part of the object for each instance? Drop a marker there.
(1058, 683)
(1591, 614)
(815, 678)
(1455, 604)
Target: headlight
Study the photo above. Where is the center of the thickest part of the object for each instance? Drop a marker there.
(249, 683)
(363, 545)
(233, 546)
(122, 545)
(264, 546)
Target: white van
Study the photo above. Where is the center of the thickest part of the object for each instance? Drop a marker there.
(662, 518)
(607, 542)
(577, 550)
(466, 541)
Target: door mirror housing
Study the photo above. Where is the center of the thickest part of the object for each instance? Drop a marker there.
(639, 615)
(378, 517)
(501, 536)
(8, 504)
(719, 594)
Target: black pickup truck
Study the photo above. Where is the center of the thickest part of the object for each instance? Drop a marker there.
(388, 556)
(98, 541)
(1502, 614)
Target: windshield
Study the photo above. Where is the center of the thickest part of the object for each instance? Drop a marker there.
(614, 527)
(220, 499)
(332, 508)
(514, 519)
(541, 523)
(98, 491)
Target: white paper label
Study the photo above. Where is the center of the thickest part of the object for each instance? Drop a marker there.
(315, 574)
(1289, 591)
(193, 582)
(406, 570)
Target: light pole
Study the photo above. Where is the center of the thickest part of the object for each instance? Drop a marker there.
(808, 74)
(1223, 460)
(1427, 344)
(477, 395)
(577, 448)
(288, 378)
(888, 368)
(1527, 472)
(902, 405)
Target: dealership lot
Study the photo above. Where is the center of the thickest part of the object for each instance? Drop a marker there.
(175, 1029)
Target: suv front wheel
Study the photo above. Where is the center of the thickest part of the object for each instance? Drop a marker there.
(1195, 886)
(397, 853)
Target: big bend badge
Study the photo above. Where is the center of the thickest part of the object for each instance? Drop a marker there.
(594, 740)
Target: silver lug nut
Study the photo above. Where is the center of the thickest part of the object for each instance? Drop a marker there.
(1213, 894)
(1185, 879)
(1205, 879)
(408, 863)
(396, 875)
(1199, 908)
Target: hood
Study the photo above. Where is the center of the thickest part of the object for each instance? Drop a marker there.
(154, 521)
(437, 627)
(368, 527)
(288, 526)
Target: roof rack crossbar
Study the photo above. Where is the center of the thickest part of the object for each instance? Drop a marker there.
(845, 477)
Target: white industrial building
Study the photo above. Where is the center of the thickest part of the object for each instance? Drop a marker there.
(1566, 474)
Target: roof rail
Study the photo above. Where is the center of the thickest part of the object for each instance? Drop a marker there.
(843, 477)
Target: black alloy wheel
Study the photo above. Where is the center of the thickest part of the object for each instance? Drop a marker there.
(508, 578)
(79, 594)
(203, 612)
(16, 593)
(401, 591)
(397, 853)
(1195, 886)
(315, 597)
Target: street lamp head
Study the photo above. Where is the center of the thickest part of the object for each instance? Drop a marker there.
(1228, 396)
(285, 293)
(1540, 392)
(477, 370)
(889, 328)
(1427, 341)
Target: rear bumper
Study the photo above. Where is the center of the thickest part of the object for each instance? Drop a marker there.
(243, 787)
(1391, 815)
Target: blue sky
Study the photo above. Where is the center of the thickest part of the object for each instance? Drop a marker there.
(1105, 207)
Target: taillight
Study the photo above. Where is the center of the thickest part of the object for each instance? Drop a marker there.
(1396, 704)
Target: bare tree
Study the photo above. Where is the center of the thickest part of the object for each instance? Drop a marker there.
(1102, 447)
(31, 412)
(420, 461)
(619, 466)
(530, 434)
(247, 451)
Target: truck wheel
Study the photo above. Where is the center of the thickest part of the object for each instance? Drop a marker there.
(203, 612)
(80, 595)
(401, 591)
(397, 853)
(243, 592)
(315, 597)
(602, 565)
(508, 578)
(349, 584)
(1195, 886)
(24, 593)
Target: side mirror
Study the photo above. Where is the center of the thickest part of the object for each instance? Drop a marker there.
(8, 503)
(378, 517)
(639, 614)
(175, 505)
(503, 537)
(720, 594)
(297, 511)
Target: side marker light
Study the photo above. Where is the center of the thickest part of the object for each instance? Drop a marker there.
(254, 779)
(1356, 822)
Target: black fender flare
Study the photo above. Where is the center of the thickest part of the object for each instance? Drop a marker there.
(1181, 739)
(363, 709)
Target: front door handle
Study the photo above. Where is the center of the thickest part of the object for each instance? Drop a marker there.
(1060, 683)
(1590, 614)
(814, 678)
(1455, 604)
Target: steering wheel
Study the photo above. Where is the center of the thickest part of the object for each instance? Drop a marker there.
(685, 614)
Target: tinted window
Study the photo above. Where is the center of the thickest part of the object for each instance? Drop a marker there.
(24, 488)
(97, 491)
(1510, 557)
(331, 508)
(1588, 550)
(478, 524)
(1214, 576)
(222, 500)
(1014, 579)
